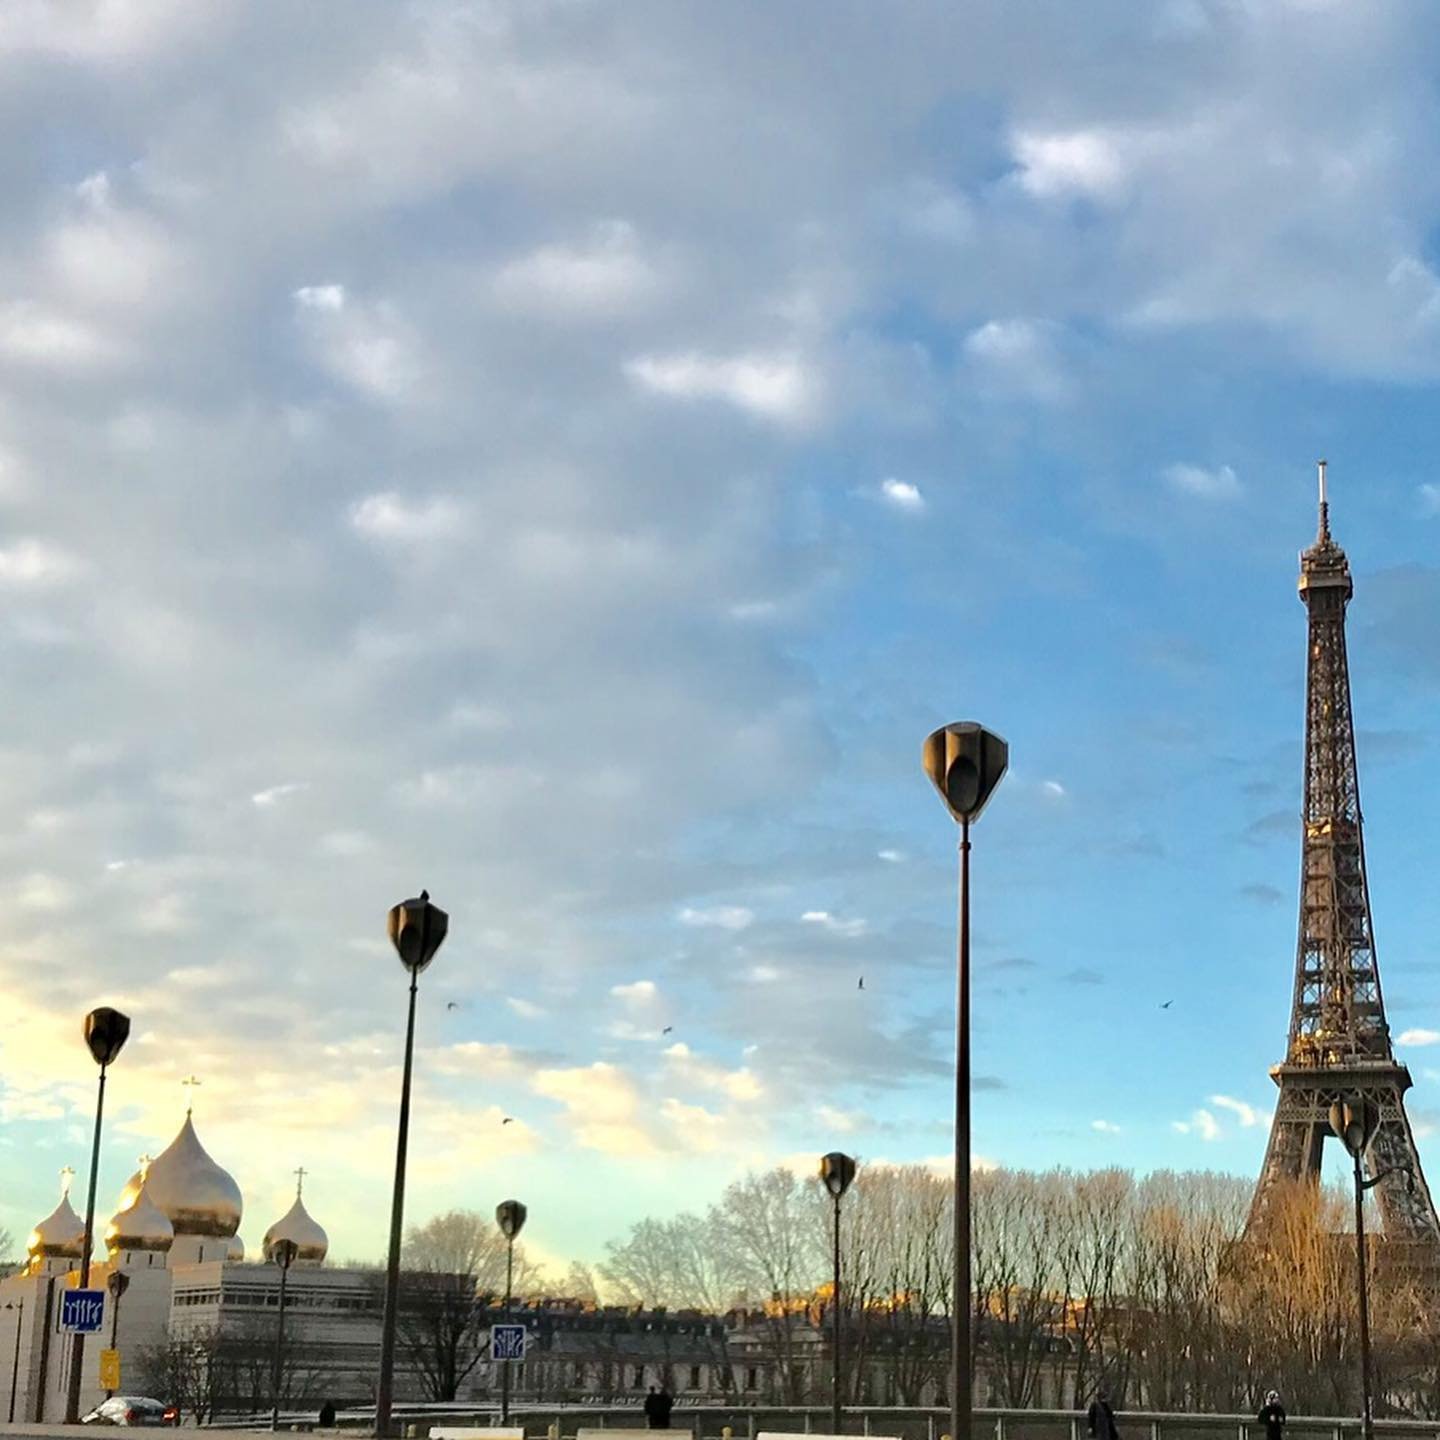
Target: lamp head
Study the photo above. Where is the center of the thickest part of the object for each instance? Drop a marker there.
(106, 1032)
(283, 1253)
(1355, 1122)
(965, 763)
(836, 1172)
(417, 930)
(510, 1217)
(117, 1282)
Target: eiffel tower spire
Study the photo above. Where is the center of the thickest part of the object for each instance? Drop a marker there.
(1339, 1044)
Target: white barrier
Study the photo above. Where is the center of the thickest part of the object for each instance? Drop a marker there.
(477, 1432)
(813, 1435)
(607, 1433)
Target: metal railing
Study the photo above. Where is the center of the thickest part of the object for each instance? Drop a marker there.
(712, 1422)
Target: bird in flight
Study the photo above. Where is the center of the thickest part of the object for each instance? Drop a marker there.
(452, 1004)
(861, 985)
(508, 1120)
(667, 1029)
(1167, 1004)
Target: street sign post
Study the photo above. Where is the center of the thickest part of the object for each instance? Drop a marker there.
(109, 1369)
(507, 1342)
(81, 1311)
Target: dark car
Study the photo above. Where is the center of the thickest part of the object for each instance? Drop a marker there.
(132, 1410)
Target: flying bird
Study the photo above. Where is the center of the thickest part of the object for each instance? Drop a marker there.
(508, 1120)
(452, 1004)
(861, 985)
(1167, 1004)
(667, 1029)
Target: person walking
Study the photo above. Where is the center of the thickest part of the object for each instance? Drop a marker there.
(1272, 1417)
(652, 1410)
(1102, 1418)
(664, 1404)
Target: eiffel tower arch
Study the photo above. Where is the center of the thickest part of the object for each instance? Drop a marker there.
(1339, 1043)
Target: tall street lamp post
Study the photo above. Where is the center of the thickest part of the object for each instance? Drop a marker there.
(282, 1253)
(1355, 1122)
(836, 1171)
(965, 762)
(117, 1283)
(18, 1305)
(417, 930)
(510, 1217)
(106, 1032)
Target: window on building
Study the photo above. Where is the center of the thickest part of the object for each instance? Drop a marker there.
(752, 1375)
(639, 1381)
(578, 1376)
(695, 1369)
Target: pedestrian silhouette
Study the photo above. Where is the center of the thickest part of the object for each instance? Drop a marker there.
(1102, 1418)
(1272, 1417)
(327, 1415)
(658, 1405)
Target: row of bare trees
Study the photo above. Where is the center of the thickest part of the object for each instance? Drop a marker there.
(1144, 1285)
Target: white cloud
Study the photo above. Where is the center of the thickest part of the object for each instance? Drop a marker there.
(764, 974)
(637, 992)
(841, 1122)
(1017, 358)
(1201, 1123)
(1104, 1127)
(836, 926)
(1247, 1115)
(33, 335)
(1075, 162)
(1418, 1036)
(1219, 483)
(771, 386)
(902, 494)
(599, 278)
(390, 516)
(891, 857)
(525, 1009)
(1053, 789)
(720, 917)
(32, 564)
(274, 794)
(329, 298)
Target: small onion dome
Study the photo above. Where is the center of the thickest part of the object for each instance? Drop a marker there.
(194, 1192)
(141, 1225)
(235, 1250)
(310, 1240)
(60, 1235)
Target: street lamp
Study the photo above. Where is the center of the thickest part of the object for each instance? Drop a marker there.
(117, 1283)
(417, 930)
(965, 762)
(106, 1032)
(510, 1217)
(15, 1363)
(1355, 1122)
(837, 1171)
(282, 1253)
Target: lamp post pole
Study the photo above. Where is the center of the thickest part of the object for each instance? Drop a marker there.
(117, 1283)
(283, 1253)
(510, 1217)
(15, 1363)
(836, 1172)
(105, 1031)
(417, 930)
(1367, 1400)
(965, 762)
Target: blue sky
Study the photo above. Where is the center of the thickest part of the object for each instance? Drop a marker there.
(568, 456)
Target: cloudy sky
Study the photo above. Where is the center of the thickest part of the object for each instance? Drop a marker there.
(568, 455)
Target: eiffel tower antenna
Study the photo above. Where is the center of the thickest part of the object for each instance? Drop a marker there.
(1339, 1043)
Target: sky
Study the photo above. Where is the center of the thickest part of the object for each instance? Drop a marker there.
(568, 456)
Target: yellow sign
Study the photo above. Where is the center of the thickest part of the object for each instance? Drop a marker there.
(109, 1369)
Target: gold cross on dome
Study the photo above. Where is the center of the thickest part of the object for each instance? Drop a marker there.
(144, 1163)
(67, 1175)
(191, 1085)
(300, 1175)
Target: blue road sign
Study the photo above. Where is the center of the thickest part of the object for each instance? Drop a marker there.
(507, 1342)
(81, 1311)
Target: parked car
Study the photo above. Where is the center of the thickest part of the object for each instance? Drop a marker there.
(132, 1410)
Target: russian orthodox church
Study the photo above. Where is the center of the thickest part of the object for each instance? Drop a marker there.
(175, 1238)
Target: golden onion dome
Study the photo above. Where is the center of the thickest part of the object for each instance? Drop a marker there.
(235, 1251)
(296, 1224)
(197, 1196)
(60, 1235)
(140, 1225)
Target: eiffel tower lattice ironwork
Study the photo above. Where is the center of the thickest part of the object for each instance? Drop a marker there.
(1339, 1042)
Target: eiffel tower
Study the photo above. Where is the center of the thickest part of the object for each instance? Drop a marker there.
(1339, 1040)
